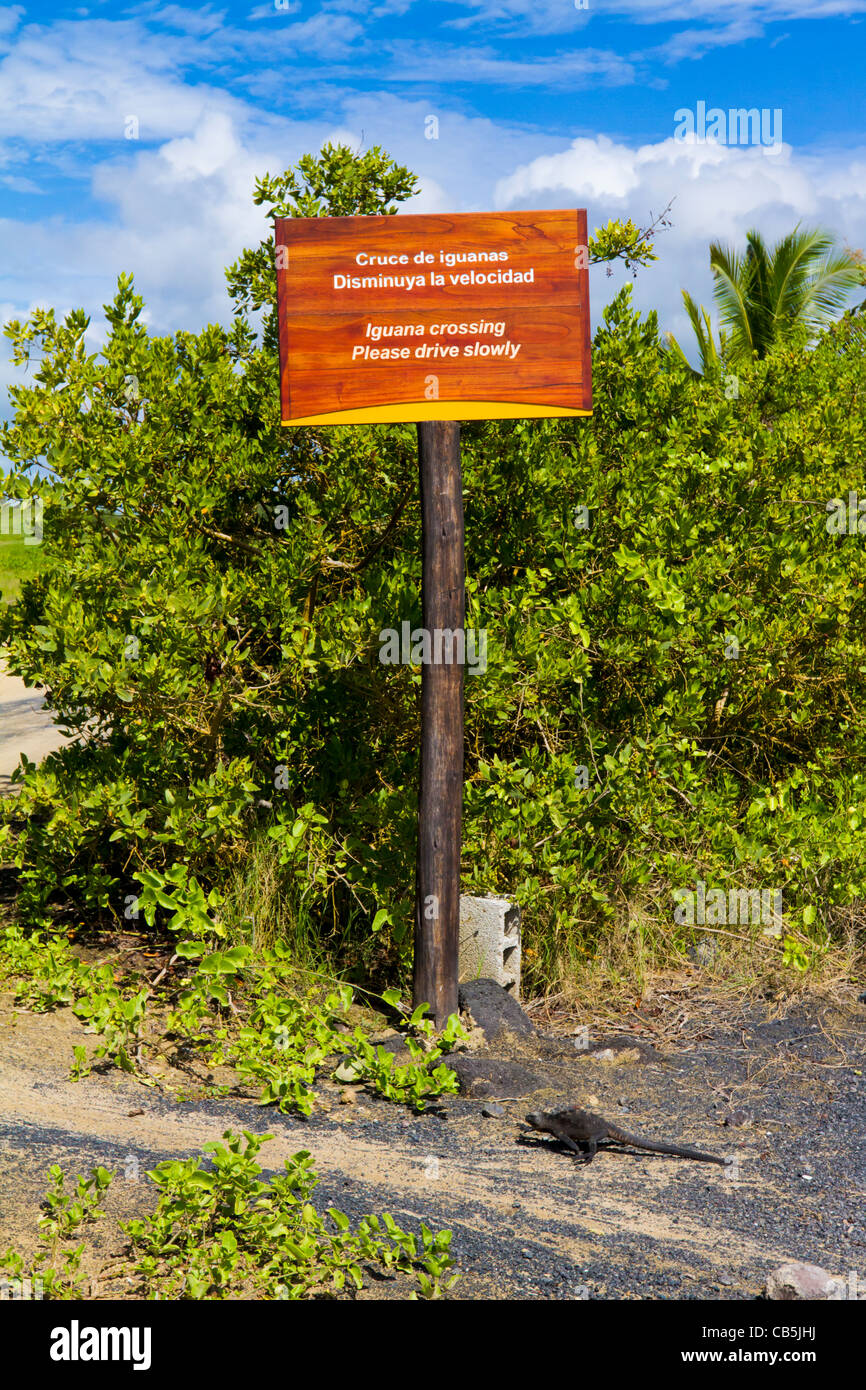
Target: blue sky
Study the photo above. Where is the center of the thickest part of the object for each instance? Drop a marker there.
(539, 104)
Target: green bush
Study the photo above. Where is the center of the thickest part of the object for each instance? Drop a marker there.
(209, 627)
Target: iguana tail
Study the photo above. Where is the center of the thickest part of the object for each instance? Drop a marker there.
(652, 1147)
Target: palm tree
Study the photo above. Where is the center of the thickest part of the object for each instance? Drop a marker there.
(804, 280)
(712, 357)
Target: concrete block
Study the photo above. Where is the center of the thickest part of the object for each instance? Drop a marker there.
(490, 941)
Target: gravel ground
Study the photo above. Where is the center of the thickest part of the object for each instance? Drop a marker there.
(785, 1095)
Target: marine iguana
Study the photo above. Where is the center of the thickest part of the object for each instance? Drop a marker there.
(583, 1132)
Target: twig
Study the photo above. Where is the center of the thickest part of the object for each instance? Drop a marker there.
(164, 971)
(738, 936)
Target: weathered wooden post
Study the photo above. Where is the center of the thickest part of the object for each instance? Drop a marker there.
(482, 316)
(440, 797)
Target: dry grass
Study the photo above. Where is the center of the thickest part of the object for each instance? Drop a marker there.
(642, 972)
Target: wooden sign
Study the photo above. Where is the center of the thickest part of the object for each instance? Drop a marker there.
(466, 316)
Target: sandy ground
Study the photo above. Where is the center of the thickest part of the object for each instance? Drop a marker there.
(25, 726)
(527, 1221)
(785, 1094)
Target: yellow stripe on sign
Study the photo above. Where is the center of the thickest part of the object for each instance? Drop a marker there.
(413, 412)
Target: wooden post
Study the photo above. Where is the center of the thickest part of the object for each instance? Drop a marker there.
(440, 799)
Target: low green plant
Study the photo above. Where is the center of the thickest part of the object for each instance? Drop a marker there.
(256, 1016)
(66, 1211)
(119, 1021)
(795, 954)
(289, 1039)
(286, 1041)
(415, 1082)
(46, 972)
(227, 1233)
(56, 1270)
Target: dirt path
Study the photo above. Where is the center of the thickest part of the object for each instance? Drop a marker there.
(25, 726)
(527, 1221)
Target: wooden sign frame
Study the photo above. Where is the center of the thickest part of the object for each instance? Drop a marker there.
(462, 316)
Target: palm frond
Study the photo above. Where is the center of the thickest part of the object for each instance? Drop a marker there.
(673, 348)
(834, 279)
(793, 266)
(758, 276)
(729, 290)
(711, 364)
(804, 280)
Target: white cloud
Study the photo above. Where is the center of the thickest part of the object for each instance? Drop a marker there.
(329, 34)
(521, 16)
(720, 193)
(447, 64)
(10, 18)
(17, 184)
(713, 26)
(201, 20)
(326, 34)
(269, 10)
(650, 12)
(177, 215)
(458, 170)
(716, 186)
(79, 81)
(694, 43)
(557, 16)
